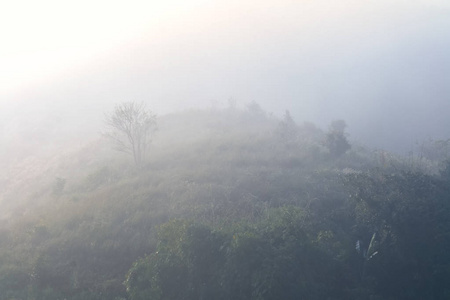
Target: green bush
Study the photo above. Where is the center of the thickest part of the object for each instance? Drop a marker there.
(273, 259)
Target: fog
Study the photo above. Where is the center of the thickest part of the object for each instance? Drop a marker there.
(382, 66)
(300, 149)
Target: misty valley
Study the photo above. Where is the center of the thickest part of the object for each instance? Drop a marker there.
(221, 203)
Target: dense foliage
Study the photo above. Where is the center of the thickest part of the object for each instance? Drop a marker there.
(273, 259)
(230, 205)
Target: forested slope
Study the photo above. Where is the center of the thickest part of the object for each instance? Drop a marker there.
(230, 204)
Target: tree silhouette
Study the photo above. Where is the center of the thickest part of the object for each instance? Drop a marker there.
(131, 127)
(336, 141)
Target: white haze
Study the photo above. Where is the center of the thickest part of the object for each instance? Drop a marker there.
(383, 66)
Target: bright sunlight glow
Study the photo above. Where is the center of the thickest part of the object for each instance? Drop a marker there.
(40, 39)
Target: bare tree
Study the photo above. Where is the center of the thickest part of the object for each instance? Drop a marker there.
(130, 127)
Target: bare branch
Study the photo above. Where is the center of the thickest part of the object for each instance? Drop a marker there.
(130, 129)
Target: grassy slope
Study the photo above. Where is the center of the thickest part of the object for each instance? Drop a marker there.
(217, 167)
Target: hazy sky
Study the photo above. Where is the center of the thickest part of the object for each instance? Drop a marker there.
(383, 66)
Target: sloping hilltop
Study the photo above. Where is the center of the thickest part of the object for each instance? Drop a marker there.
(229, 204)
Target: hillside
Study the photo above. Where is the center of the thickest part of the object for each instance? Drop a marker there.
(230, 204)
